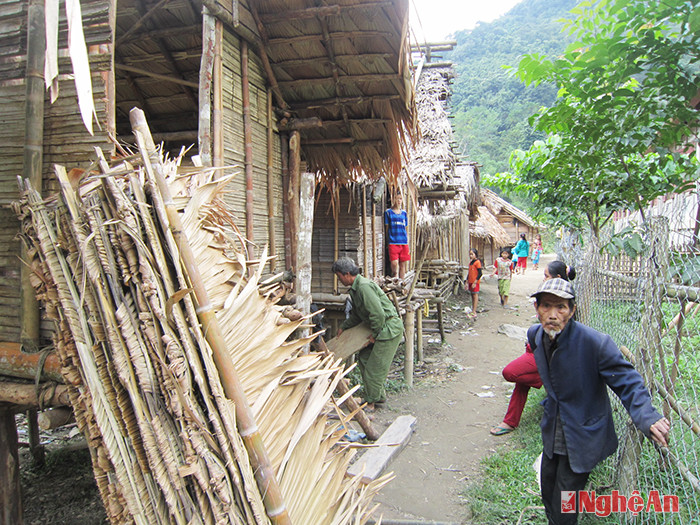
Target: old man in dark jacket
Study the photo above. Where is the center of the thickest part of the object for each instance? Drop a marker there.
(577, 364)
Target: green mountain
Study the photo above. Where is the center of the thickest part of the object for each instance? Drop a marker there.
(490, 107)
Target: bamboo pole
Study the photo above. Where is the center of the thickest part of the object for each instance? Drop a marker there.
(419, 335)
(409, 332)
(293, 191)
(248, 145)
(264, 474)
(365, 263)
(25, 394)
(374, 239)
(284, 149)
(30, 322)
(336, 220)
(272, 239)
(218, 98)
(306, 225)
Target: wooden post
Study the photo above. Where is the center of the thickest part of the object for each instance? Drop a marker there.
(306, 224)
(365, 244)
(33, 159)
(35, 445)
(206, 78)
(441, 324)
(336, 219)
(374, 239)
(284, 149)
(10, 493)
(218, 98)
(248, 145)
(409, 332)
(293, 191)
(272, 238)
(419, 335)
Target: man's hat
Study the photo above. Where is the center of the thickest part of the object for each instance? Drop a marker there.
(558, 287)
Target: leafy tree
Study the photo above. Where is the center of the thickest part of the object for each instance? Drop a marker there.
(619, 132)
(491, 107)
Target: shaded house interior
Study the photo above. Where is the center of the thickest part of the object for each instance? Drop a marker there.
(274, 89)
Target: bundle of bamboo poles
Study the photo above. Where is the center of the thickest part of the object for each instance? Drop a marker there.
(124, 252)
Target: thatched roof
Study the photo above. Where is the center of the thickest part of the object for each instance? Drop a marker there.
(431, 162)
(487, 226)
(497, 204)
(345, 64)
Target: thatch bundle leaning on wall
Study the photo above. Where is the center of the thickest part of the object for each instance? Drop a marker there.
(143, 383)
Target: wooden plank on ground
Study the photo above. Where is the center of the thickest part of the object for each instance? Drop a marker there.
(376, 459)
(350, 341)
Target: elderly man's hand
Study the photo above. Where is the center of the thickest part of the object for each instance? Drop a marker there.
(659, 431)
(340, 331)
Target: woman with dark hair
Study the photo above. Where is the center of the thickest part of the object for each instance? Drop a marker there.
(523, 370)
(522, 250)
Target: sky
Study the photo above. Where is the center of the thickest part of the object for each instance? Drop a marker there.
(433, 20)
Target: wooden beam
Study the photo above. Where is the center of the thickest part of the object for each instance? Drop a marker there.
(301, 123)
(345, 79)
(376, 459)
(293, 191)
(24, 395)
(350, 341)
(339, 101)
(140, 22)
(166, 78)
(271, 77)
(342, 140)
(409, 333)
(341, 34)
(339, 58)
(165, 32)
(15, 363)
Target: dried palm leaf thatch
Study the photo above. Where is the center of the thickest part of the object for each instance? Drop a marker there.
(144, 386)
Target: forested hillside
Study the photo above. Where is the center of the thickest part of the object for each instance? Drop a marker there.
(491, 108)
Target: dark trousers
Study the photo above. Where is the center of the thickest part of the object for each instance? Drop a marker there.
(556, 475)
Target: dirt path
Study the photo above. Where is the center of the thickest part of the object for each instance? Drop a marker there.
(453, 422)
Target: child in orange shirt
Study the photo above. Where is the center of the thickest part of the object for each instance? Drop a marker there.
(473, 277)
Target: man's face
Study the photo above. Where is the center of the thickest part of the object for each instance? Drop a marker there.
(345, 278)
(553, 312)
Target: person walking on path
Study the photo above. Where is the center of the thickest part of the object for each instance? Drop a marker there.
(577, 364)
(523, 370)
(522, 251)
(396, 221)
(371, 306)
(473, 277)
(503, 270)
(536, 251)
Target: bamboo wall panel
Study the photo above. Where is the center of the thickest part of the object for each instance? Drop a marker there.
(234, 146)
(66, 141)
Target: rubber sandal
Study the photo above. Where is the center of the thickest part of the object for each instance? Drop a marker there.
(498, 430)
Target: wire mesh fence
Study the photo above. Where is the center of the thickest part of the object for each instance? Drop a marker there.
(650, 306)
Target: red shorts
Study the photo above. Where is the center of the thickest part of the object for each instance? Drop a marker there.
(399, 252)
(473, 287)
(522, 262)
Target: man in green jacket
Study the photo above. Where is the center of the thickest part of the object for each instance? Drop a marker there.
(371, 306)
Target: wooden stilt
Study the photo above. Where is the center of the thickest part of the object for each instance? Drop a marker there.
(272, 238)
(293, 190)
(441, 324)
(419, 335)
(409, 332)
(35, 445)
(10, 494)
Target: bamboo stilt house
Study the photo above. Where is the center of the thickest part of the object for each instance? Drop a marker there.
(272, 88)
(446, 189)
(278, 96)
(488, 237)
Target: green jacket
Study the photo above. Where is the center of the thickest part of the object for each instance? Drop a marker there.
(371, 306)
